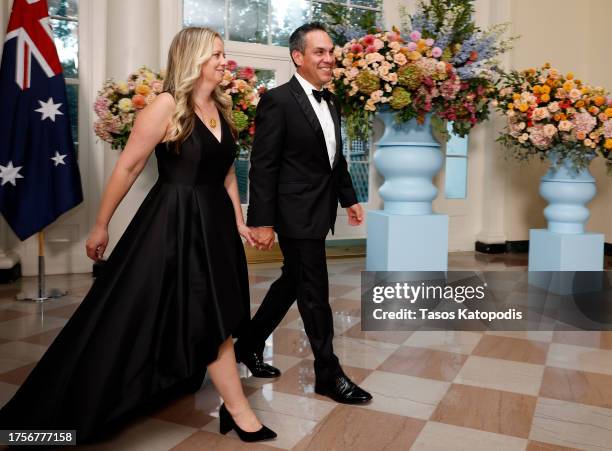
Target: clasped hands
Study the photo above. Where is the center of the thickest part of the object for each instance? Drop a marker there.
(262, 238)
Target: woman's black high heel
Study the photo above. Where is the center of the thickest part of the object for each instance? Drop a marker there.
(227, 423)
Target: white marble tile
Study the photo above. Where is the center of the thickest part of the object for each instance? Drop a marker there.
(445, 437)
(15, 354)
(362, 353)
(498, 374)
(409, 396)
(570, 424)
(299, 406)
(580, 358)
(458, 342)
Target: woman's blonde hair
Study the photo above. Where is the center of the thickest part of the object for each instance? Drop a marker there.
(191, 48)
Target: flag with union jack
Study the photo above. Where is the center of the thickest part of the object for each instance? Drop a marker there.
(39, 175)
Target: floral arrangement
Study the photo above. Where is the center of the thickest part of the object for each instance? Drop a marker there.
(441, 64)
(118, 103)
(241, 85)
(550, 112)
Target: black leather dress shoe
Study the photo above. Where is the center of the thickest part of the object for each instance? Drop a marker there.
(343, 390)
(254, 362)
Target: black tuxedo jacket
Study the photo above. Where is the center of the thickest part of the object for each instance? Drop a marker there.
(292, 186)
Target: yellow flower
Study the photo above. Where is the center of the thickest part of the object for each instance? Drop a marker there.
(608, 143)
(569, 76)
(123, 87)
(580, 104)
(537, 89)
(568, 86)
(545, 98)
(511, 106)
(546, 89)
(609, 112)
(516, 96)
(125, 105)
(143, 90)
(523, 107)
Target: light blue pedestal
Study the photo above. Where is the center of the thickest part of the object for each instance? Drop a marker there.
(554, 258)
(406, 242)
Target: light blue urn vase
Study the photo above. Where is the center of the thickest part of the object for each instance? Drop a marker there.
(557, 252)
(407, 235)
(567, 191)
(408, 157)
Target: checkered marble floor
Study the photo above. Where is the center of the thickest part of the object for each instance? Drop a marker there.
(432, 390)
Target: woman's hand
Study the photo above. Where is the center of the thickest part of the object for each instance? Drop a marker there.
(97, 242)
(246, 233)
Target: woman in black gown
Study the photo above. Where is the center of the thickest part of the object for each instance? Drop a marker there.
(175, 289)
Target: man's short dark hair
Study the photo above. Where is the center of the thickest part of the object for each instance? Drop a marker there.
(297, 40)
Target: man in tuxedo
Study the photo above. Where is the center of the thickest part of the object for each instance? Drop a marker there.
(298, 174)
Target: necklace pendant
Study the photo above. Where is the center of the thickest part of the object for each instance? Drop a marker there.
(212, 122)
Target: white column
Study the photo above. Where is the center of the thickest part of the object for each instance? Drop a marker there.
(132, 41)
(495, 168)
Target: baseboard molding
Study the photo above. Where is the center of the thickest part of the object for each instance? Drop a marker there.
(517, 247)
(490, 248)
(8, 275)
(509, 247)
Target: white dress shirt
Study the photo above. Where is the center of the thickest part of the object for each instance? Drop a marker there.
(325, 118)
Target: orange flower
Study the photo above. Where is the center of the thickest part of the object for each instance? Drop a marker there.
(580, 104)
(143, 90)
(581, 135)
(608, 143)
(599, 100)
(511, 106)
(139, 101)
(570, 76)
(608, 112)
(524, 107)
(557, 117)
(516, 96)
(545, 98)
(537, 89)
(594, 110)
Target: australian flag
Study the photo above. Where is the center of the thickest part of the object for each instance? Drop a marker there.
(39, 175)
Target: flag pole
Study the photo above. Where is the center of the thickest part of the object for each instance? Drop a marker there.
(41, 293)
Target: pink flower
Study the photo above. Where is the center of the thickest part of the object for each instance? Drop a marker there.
(565, 126)
(584, 122)
(429, 42)
(608, 128)
(411, 46)
(231, 65)
(246, 73)
(371, 49)
(436, 52)
(538, 138)
(356, 48)
(575, 95)
(550, 130)
(139, 101)
(540, 114)
(415, 35)
(378, 44)
(368, 39)
(101, 106)
(609, 101)
(394, 37)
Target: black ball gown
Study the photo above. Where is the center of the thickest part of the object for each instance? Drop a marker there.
(174, 289)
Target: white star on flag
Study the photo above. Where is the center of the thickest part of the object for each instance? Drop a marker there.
(49, 109)
(10, 174)
(58, 159)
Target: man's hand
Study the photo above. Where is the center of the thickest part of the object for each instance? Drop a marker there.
(355, 214)
(264, 237)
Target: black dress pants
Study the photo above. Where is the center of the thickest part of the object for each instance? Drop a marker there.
(304, 277)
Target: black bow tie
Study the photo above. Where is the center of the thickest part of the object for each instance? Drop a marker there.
(323, 94)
